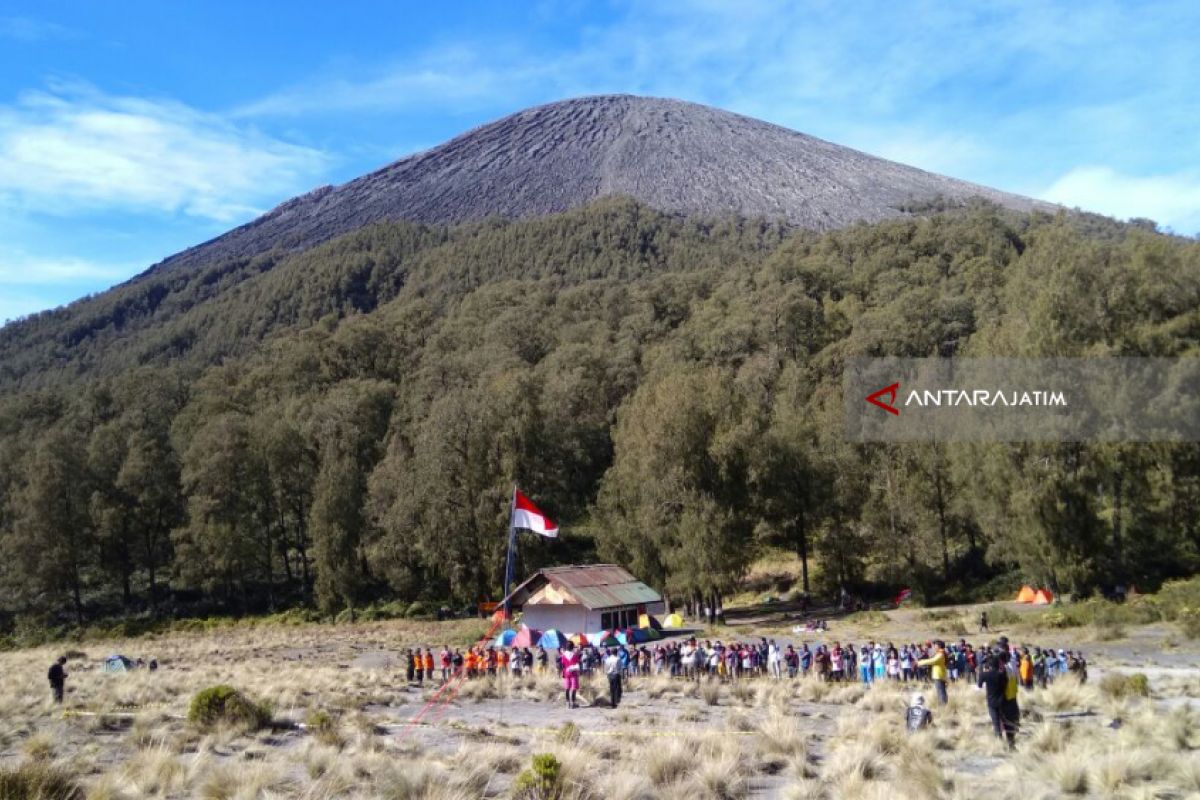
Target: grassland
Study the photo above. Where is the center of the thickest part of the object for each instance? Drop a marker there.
(339, 706)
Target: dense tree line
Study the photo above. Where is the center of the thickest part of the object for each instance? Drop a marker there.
(345, 425)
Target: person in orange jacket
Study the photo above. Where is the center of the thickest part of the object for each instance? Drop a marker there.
(1026, 669)
(428, 661)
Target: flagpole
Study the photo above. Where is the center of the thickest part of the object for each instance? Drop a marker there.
(508, 563)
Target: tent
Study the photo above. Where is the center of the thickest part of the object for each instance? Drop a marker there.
(552, 640)
(1026, 595)
(649, 622)
(603, 639)
(526, 637)
(117, 664)
(640, 635)
(673, 621)
(1043, 597)
(505, 639)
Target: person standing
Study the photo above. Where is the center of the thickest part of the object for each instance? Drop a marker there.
(570, 670)
(994, 679)
(58, 679)
(1011, 710)
(983, 622)
(612, 668)
(937, 670)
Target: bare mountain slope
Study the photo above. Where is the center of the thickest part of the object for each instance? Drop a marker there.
(671, 155)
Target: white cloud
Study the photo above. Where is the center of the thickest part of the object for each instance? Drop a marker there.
(21, 269)
(73, 149)
(1172, 200)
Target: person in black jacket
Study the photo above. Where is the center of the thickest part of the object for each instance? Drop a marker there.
(994, 679)
(58, 678)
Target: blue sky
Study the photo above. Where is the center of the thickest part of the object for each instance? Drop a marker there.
(129, 131)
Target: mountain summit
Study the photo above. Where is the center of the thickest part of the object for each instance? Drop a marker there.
(669, 154)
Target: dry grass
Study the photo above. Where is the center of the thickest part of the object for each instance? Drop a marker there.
(802, 739)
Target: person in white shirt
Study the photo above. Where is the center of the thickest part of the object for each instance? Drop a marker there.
(612, 668)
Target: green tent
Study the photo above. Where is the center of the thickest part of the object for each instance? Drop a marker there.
(118, 664)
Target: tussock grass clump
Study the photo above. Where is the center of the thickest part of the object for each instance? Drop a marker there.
(568, 733)
(1067, 773)
(38, 780)
(1068, 694)
(1120, 685)
(710, 692)
(670, 764)
(743, 692)
(39, 747)
(324, 728)
(781, 734)
(223, 704)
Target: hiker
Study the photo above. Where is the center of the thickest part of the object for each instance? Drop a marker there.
(1025, 670)
(983, 622)
(570, 670)
(937, 670)
(994, 681)
(612, 668)
(917, 717)
(1011, 710)
(58, 678)
(1078, 666)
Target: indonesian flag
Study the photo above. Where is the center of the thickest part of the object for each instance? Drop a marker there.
(904, 595)
(526, 516)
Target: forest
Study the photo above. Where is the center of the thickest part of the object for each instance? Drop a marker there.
(343, 426)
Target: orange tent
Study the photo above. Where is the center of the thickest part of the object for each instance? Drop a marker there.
(1043, 598)
(1026, 595)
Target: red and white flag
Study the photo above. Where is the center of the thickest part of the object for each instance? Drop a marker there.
(526, 516)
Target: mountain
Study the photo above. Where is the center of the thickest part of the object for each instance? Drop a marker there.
(671, 155)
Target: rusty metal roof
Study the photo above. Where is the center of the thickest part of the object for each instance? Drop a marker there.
(596, 586)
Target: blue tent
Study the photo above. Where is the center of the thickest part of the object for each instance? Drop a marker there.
(505, 639)
(552, 640)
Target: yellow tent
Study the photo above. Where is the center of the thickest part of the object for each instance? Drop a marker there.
(1043, 598)
(673, 621)
(1026, 595)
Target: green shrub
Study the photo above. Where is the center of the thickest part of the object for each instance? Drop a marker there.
(418, 608)
(224, 704)
(38, 781)
(542, 781)
(1117, 684)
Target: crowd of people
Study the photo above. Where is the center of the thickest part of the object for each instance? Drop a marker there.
(691, 658)
(999, 668)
